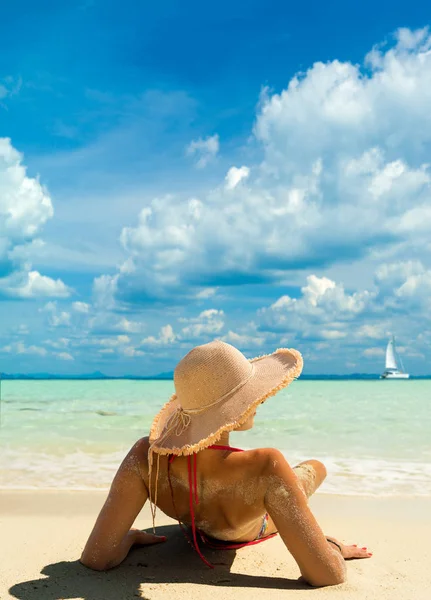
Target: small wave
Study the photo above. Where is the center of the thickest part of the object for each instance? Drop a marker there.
(88, 470)
(106, 413)
(33, 409)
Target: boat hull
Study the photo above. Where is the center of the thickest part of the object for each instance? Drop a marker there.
(395, 376)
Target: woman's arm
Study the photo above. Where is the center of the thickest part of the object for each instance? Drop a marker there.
(320, 562)
(111, 538)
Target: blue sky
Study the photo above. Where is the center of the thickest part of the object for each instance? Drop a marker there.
(255, 172)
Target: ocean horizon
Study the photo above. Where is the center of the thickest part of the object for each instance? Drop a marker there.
(170, 377)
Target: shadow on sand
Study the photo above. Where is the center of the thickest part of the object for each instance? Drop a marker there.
(171, 562)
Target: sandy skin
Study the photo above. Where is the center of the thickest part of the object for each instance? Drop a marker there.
(235, 490)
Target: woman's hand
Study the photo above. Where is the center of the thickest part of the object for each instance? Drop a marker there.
(142, 538)
(349, 552)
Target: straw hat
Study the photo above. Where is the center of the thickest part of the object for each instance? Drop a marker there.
(216, 389)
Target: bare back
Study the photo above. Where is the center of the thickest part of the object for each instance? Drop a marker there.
(230, 488)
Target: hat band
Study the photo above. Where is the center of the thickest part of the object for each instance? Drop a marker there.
(193, 411)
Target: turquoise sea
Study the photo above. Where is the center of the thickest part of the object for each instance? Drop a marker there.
(373, 436)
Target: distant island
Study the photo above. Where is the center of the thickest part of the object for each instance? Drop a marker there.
(97, 375)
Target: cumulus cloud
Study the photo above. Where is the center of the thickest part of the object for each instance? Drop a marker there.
(62, 319)
(58, 343)
(23, 329)
(56, 317)
(404, 285)
(25, 206)
(21, 348)
(323, 315)
(129, 326)
(132, 352)
(235, 176)
(166, 337)
(33, 285)
(114, 341)
(206, 293)
(375, 331)
(81, 307)
(204, 150)
(243, 340)
(345, 171)
(322, 302)
(64, 355)
(373, 352)
(208, 323)
(105, 289)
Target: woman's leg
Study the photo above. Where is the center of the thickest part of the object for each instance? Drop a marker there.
(311, 473)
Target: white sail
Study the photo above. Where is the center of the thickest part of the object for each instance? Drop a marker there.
(392, 370)
(391, 360)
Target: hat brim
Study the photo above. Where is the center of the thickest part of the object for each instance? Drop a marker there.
(272, 373)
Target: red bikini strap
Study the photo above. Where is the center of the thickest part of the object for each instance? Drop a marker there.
(192, 512)
(193, 491)
(195, 478)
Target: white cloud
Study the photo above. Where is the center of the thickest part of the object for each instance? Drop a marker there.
(317, 288)
(322, 302)
(166, 337)
(81, 307)
(49, 307)
(23, 329)
(209, 323)
(64, 355)
(206, 293)
(376, 331)
(345, 170)
(59, 343)
(25, 206)
(20, 348)
(56, 318)
(373, 353)
(235, 176)
(104, 291)
(132, 352)
(333, 334)
(243, 340)
(129, 326)
(61, 319)
(337, 107)
(405, 285)
(204, 150)
(118, 340)
(33, 285)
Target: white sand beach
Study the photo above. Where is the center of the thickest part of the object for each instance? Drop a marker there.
(42, 534)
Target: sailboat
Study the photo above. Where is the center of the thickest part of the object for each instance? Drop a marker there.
(393, 363)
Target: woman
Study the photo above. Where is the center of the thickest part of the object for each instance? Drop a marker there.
(188, 470)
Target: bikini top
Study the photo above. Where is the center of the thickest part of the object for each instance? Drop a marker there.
(193, 496)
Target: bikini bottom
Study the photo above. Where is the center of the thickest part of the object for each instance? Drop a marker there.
(225, 545)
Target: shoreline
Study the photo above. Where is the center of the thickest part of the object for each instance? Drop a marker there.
(43, 534)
